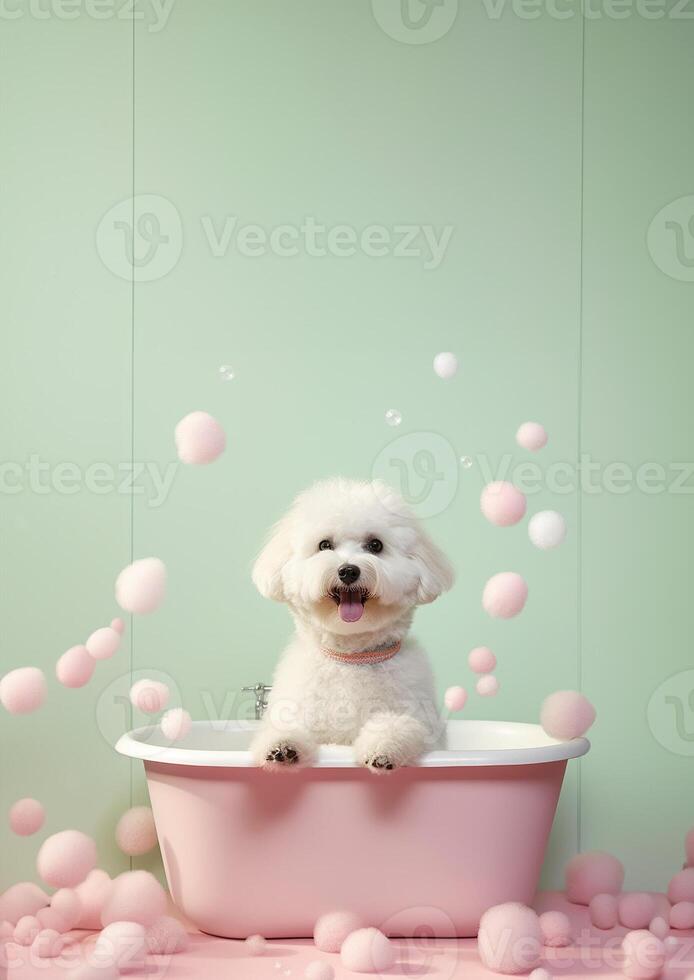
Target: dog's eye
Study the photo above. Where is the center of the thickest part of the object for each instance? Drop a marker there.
(374, 546)
(325, 545)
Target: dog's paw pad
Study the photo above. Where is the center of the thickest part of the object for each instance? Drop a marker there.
(283, 755)
(380, 763)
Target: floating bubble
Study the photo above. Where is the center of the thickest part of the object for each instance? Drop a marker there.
(466, 462)
(393, 417)
(226, 372)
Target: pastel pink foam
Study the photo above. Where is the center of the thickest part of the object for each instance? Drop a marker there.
(555, 928)
(332, 929)
(659, 927)
(644, 955)
(682, 915)
(367, 951)
(26, 816)
(636, 909)
(604, 911)
(566, 714)
(141, 587)
(319, 970)
(481, 660)
(502, 503)
(539, 973)
(94, 971)
(487, 686)
(123, 945)
(510, 938)
(504, 595)
(135, 896)
(48, 944)
(532, 436)
(681, 887)
(6, 931)
(24, 898)
(200, 439)
(135, 831)
(92, 893)
(166, 936)
(118, 625)
(75, 667)
(455, 698)
(149, 696)
(593, 873)
(66, 904)
(256, 945)
(26, 930)
(176, 724)
(66, 858)
(103, 643)
(23, 690)
(50, 919)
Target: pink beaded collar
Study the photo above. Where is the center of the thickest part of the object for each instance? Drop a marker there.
(365, 657)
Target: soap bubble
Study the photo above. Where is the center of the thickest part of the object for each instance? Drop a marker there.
(226, 373)
(466, 462)
(393, 417)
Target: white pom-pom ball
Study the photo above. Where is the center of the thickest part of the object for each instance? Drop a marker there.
(149, 696)
(547, 529)
(23, 690)
(26, 817)
(66, 858)
(123, 945)
(166, 936)
(94, 971)
(487, 686)
(446, 365)
(367, 951)
(644, 955)
(539, 973)
(135, 831)
(255, 945)
(556, 929)
(532, 436)
(319, 970)
(200, 439)
(176, 724)
(134, 896)
(332, 928)
(509, 938)
(141, 587)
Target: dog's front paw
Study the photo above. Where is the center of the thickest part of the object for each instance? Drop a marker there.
(379, 763)
(283, 754)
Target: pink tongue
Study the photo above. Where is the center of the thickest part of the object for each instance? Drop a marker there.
(351, 608)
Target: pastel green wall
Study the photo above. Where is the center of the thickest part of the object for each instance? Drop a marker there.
(548, 145)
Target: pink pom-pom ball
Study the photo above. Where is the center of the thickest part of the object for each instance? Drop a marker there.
(103, 643)
(141, 587)
(681, 887)
(644, 955)
(566, 714)
(593, 873)
(255, 945)
(65, 859)
(94, 971)
(682, 915)
(66, 904)
(487, 686)
(659, 927)
(50, 919)
(504, 595)
(446, 365)
(455, 698)
(319, 970)
(6, 930)
(604, 911)
(149, 696)
(26, 816)
(135, 831)
(509, 938)
(48, 944)
(636, 909)
(166, 936)
(24, 898)
(92, 893)
(540, 974)
(123, 945)
(176, 724)
(689, 847)
(26, 930)
(367, 951)
(135, 896)
(555, 928)
(75, 667)
(502, 503)
(118, 625)
(23, 690)
(532, 436)
(331, 930)
(481, 660)
(200, 439)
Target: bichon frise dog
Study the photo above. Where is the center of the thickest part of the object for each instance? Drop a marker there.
(352, 563)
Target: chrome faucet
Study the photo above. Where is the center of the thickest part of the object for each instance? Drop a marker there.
(260, 690)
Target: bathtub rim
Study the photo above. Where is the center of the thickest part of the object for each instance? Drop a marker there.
(134, 746)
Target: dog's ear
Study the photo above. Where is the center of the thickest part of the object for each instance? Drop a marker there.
(267, 571)
(435, 571)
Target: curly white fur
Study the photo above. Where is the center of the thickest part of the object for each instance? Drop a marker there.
(387, 711)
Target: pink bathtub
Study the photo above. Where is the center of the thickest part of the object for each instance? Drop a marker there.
(246, 851)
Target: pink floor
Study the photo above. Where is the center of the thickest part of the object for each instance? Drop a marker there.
(595, 953)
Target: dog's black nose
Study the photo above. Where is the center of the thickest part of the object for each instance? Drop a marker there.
(349, 573)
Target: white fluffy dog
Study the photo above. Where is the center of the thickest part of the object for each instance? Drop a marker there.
(352, 563)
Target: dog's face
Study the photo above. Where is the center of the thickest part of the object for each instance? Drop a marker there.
(350, 556)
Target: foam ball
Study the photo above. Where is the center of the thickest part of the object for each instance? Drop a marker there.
(689, 846)
(103, 643)
(65, 859)
(455, 698)
(255, 945)
(681, 887)
(176, 724)
(636, 909)
(682, 915)
(481, 660)
(75, 667)
(49, 919)
(504, 595)
(487, 686)
(94, 971)
(446, 365)
(509, 938)
(92, 893)
(555, 928)
(118, 625)
(149, 696)
(547, 529)
(26, 930)
(6, 931)
(200, 439)
(47, 944)
(26, 816)
(593, 873)
(123, 945)
(367, 951)
(331, 930)
(644, 955)
(671, 943)
(540, 974)
(319, 970)
(135, 831)
(566, 714)
(604, 911)
(141, 587)
(502, 503)
(23, 690)
(659, 927)
(166, 936)
(66, 904)
(24, 898)
(135, 896)
(532, 436)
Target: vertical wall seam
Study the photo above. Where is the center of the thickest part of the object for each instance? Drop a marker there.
(579, 426)
(132, 389)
